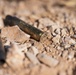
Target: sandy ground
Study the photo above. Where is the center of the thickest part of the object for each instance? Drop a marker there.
(55, 53)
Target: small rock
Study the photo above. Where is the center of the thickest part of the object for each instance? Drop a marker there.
(14, 33)
(56, 39)
(15, 57)
(71, 55)
(66, 46)
(67, 42)
(57, 31)
(71, 31)
(64, 32)
(70, 40)
(35, 50)
(54, 34)
(32, 57)
(49, 61)
(14, 49)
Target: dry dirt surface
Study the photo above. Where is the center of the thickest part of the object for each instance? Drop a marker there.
(55, 53)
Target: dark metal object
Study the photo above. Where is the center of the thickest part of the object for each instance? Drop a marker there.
(34, 32)
(2, 53)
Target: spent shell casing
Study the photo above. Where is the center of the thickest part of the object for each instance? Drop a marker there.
(2, 52)
(31, 30)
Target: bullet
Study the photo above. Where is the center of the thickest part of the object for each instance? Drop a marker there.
(2, 52)
(29, 29)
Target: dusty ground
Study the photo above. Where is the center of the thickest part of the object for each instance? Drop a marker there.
(55, 53)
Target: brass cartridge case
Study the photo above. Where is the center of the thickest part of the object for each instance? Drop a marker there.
(29, 29)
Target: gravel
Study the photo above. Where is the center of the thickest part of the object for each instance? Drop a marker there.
(55, 53)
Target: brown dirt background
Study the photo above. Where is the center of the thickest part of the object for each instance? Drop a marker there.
(55, 53)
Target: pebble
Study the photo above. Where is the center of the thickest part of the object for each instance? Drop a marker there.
(35, 50)
(49, 61)
(56, 39)
(72, 42)
(64, 32)
(32, 58)
(71, 55)
(69, 40)
(57, 31)
(14, 49)
(71, 31)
